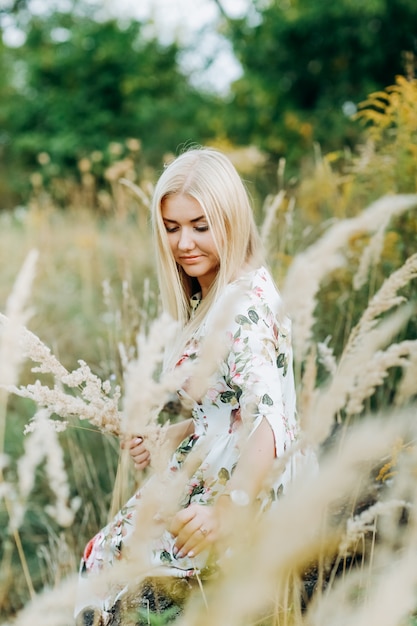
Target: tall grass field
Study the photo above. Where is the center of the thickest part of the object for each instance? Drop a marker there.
(81, 339)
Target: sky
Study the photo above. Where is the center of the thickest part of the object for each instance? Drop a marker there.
(191, 22)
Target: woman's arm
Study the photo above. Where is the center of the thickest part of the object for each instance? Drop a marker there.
(179, 431)
(175, 434)
(255, 368)
(255, 463)
(199, 526)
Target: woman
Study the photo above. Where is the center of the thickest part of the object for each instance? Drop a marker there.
(213, 282)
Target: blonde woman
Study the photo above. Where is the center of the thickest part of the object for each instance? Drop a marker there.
(214, 283)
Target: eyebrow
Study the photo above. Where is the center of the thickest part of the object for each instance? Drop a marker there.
(196, 219)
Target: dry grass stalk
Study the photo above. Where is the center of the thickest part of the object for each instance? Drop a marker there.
(407, 387)
(305, 275)
(384, 593)
(332, 398)
(349, 383)
(10, 359)
(385, 299)
(389, 597)
(17, 314)
(326, 356)
(51, 607)
(271, 210)
(308, 392)
(264, 552)
(358, 525)
(97, 402)
(371, 254)
(137, 191)
(262, 556)
(396, 355)
(42, 443)
(147, 388)
(144, 397)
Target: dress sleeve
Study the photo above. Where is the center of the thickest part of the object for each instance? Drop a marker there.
(257, 366)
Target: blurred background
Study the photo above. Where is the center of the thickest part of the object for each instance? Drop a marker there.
(314, 102)
(83, 79)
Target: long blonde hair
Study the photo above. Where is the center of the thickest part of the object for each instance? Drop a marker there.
(209, 177)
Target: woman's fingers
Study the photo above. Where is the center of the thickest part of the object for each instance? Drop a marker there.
(181, 519)
(197, 542)
(191, 541)
(142, 460)
(138, 451)
(193, 529)
(131, 443)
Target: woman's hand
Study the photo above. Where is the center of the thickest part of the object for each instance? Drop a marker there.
(137, 446)
(195, 529)
(138, 451)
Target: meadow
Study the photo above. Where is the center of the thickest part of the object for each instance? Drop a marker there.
(80, 314)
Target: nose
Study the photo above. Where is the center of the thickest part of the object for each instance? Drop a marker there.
(186, 240)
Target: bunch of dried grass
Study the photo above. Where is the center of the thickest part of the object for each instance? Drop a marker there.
(329, 521)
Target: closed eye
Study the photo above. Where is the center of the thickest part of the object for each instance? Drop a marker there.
(203, 228)
(171, 229)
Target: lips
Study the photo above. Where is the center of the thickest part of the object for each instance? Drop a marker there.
(189, 259)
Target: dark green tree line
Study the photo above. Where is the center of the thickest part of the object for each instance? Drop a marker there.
(78, 84)
(306, 65)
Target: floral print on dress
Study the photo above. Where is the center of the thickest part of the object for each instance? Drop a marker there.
(253, 382)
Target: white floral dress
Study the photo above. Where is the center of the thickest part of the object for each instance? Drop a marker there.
(254, 381)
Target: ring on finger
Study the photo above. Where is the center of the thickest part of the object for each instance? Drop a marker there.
(203, 530)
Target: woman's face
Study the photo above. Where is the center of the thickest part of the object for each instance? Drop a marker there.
(190, 238)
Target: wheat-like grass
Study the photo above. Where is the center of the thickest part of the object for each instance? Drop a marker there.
(309, 268)
(316, 521)
(326, 356)
(407, 387)
(349, 381)
(42, 443)
(272, 207)
(371, 254)
(10, 359)
(10, 353)
(97, 401)
(384, 300)
(358, 525)
(396, 355)
(264, 552)
(51, 607)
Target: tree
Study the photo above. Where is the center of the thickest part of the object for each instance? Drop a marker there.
(305, 63)
(84, 83)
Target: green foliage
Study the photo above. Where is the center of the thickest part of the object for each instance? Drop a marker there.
(391, 120)
(80, 83)
(52, 552)
(339, 186)
(304, 61)
(86, 83)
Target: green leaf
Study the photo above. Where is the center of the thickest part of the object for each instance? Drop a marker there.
(223, 474)
(226, 396)
(165, 557)
(242, 319)
(281, 360)
(267, 400)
